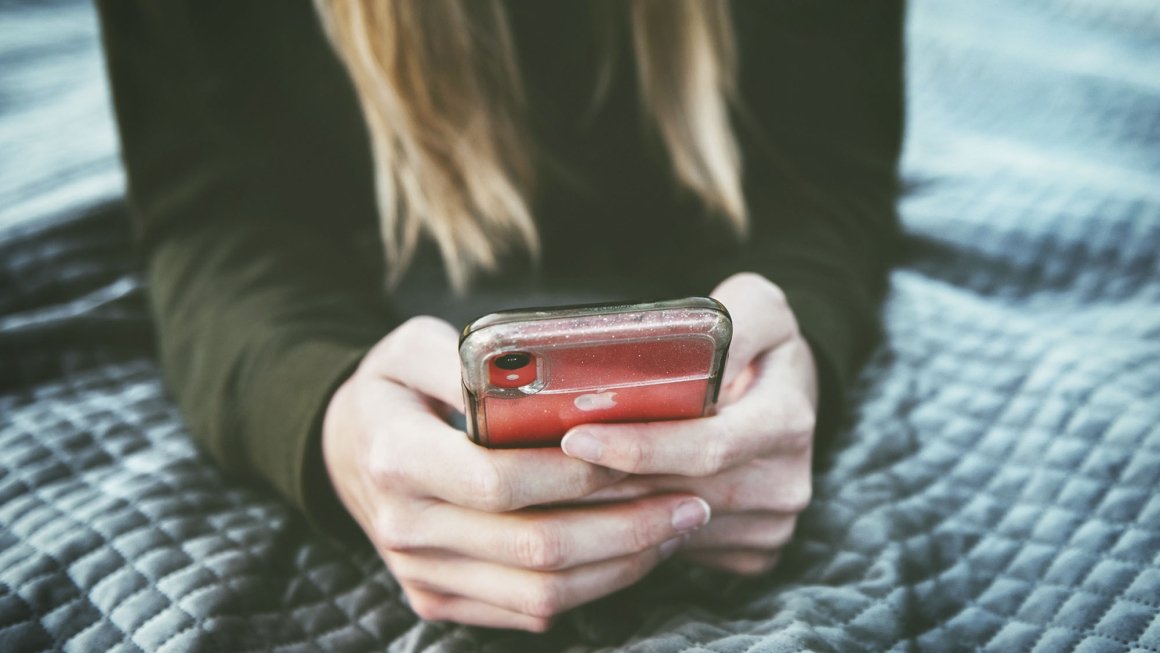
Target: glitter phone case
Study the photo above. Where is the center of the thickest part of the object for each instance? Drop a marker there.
(530, 375)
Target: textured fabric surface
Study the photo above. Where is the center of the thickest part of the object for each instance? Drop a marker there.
(995, 489)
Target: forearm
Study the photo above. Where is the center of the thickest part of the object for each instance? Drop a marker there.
(248, 189)
(256, 328)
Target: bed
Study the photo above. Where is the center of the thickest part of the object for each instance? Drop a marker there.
(994, 487)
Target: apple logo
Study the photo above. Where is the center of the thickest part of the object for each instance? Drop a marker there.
(595, 401)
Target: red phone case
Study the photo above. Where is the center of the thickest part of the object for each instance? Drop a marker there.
(530, 375)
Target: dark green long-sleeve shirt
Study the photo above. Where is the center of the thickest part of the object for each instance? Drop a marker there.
(251, 188)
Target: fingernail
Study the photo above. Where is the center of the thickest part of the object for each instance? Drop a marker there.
(691, 514)
(669, 547)
(583, 446)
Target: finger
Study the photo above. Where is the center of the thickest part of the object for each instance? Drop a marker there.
(761, 319)
(741, 562)
(435, 606)
(423, 354)
(629, 489)
(777, 484)
(759, 531)
(776, 416)
(436, 460)
(541, 594)
(556, 539)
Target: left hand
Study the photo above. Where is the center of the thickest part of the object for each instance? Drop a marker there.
(751, 460)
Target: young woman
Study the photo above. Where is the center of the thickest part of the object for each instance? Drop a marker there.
(324, 194)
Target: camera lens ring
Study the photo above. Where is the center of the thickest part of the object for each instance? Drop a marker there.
(512, 360)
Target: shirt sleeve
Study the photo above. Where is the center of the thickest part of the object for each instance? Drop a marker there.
(821, 129)
(243, 192)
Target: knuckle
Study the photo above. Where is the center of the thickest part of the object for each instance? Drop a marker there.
(387, 351)
(540, 624)
(754, 282)
(796, 438)
(640, 535)
(396, 346)
(794, 497)
(405, 570)
(801, 417)
(385, 471)
(794, 420)
(782, 532)
(635, 454)
(773, 292)
(804, 425)
(418, 325)
(430, 607)
(737, 494)
(755, 564)
(744, 563)
(545, 599)
(540, 547)
(717, 453)
(769, 500)
(773, 532)
(388, 536)
(392, 533)
(490, 489)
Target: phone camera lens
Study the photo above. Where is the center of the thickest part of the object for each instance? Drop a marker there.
(513, 361)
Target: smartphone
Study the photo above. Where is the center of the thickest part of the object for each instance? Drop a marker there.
(530, 375)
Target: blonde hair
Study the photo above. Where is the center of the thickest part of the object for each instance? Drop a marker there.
(441, 92)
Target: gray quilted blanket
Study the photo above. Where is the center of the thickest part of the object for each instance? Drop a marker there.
(995, 488)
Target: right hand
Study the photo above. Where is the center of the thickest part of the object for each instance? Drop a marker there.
(455, 522)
